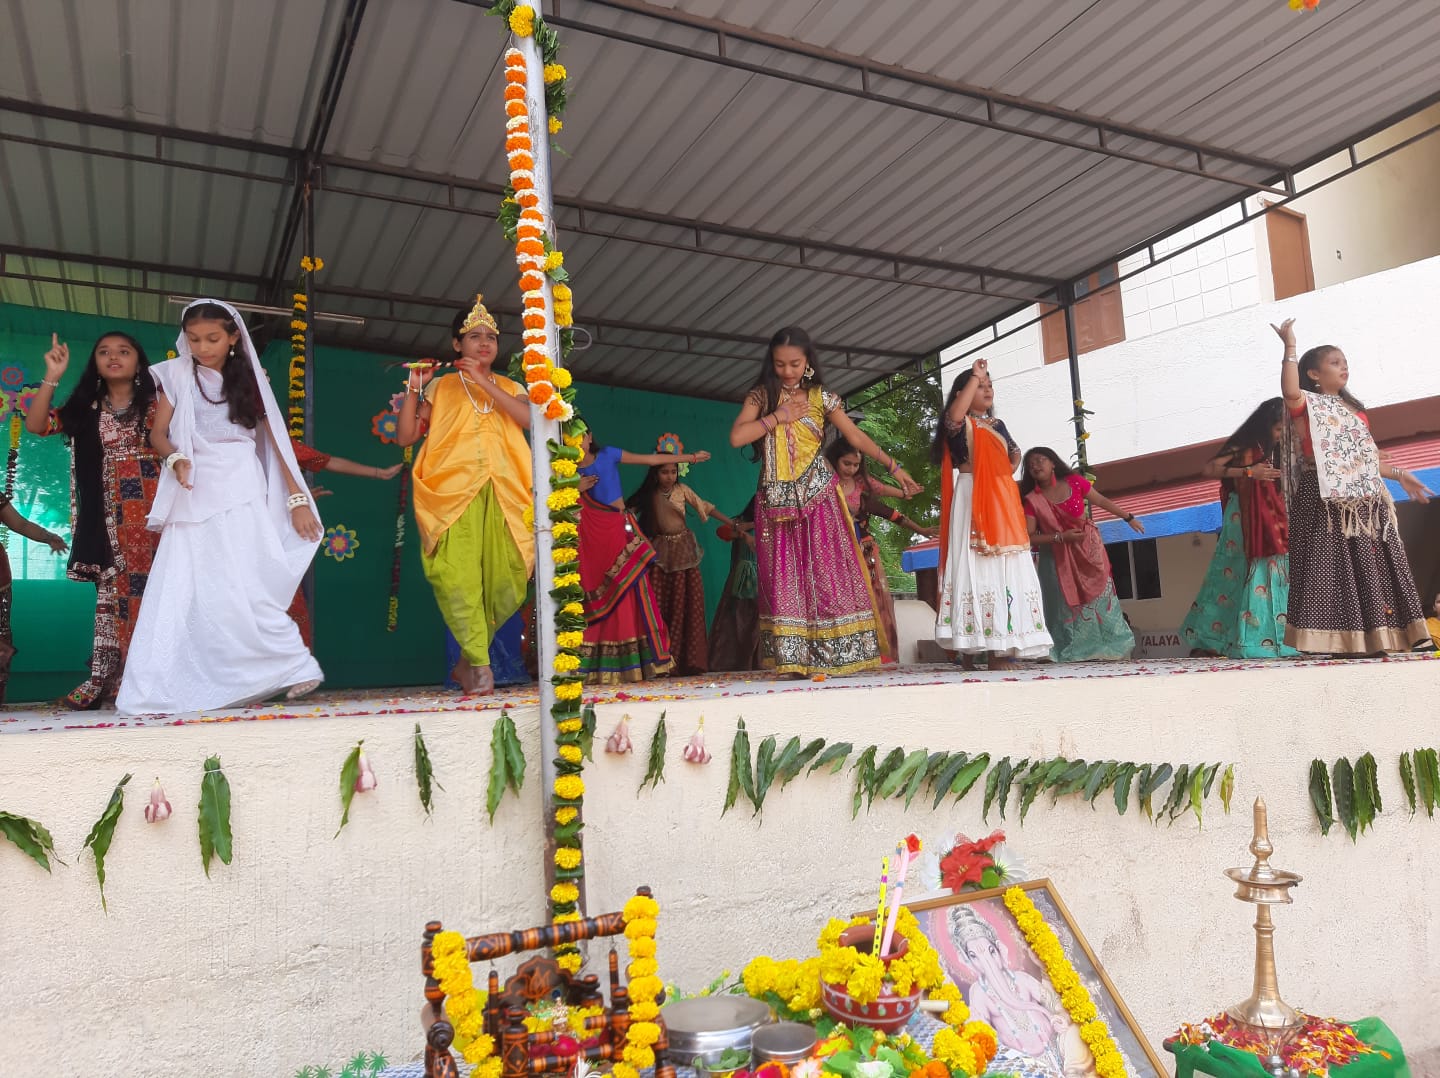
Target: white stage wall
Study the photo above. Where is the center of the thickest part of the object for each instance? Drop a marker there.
(306, 948)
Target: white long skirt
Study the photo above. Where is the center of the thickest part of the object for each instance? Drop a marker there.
(988, 603)
(213, 631)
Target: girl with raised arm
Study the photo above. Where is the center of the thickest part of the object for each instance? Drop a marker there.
(661, 506)
(237, 531)
(1351, 589)
(1081, 608)
(113, 477)
(1240, 611)
(626, 638)
(817, 611)
(472, 488)
(990, 597)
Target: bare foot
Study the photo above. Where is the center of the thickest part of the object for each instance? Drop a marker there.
(465, 675)
(967, 661)
(999, 662)
(484, 681)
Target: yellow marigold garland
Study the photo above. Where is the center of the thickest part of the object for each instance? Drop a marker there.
(464, 1003)
(299, 323)
(1066, 982)
(640, 914)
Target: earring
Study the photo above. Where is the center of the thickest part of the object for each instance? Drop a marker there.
(232, 351)
(809, 372)
(99, 392)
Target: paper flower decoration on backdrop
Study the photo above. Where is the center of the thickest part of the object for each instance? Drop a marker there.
(386, 427)
(12, 377)
(397, 401)
(340, 542)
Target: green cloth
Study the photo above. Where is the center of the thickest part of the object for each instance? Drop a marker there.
(1240, 611)
(1097, 630)
(1223, 1062)
(478, 575)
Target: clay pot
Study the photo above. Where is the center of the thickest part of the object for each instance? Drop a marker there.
(890, 1013)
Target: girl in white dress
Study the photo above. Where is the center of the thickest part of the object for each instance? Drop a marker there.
(237, 530)
(989, 591)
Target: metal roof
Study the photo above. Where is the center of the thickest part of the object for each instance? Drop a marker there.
(890, 176)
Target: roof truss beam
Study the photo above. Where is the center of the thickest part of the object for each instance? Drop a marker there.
(696, 246)
(683, 334)
(801, 245)
(1098, 133)
(990, 280)
(330, 92)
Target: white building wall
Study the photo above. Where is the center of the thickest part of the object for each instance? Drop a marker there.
(1197, 382)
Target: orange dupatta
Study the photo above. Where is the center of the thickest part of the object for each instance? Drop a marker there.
(997, 519)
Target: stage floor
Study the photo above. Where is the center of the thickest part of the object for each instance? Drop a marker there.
(426, 700)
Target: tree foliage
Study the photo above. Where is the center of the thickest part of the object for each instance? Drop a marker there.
(901, 414)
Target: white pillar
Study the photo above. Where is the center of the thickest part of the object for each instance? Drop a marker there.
(543, 430)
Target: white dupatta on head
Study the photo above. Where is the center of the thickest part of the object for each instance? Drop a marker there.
(177, 378)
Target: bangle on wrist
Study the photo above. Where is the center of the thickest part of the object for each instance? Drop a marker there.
(175, 458)
(52, 385)
(295, 501)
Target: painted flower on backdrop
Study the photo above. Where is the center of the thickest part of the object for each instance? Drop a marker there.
(25, 398)
(386, 426)
(12, 377)
(340, 542)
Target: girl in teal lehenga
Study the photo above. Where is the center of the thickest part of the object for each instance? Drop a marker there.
(1240, 611)
(1081, 607)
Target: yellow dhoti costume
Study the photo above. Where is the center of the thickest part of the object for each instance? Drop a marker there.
(472, 486)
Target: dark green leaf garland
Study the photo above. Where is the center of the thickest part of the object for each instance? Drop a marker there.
(103, 833)
(425, 773)
(901, 774)
(655, 764)
(30, 836)
(214, 822)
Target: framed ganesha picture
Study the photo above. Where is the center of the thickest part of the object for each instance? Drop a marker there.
(1017, 957)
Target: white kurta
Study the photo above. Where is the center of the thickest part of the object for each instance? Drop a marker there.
(213, 631)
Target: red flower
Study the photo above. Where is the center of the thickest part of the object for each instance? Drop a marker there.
(912, 844)
(967, 861)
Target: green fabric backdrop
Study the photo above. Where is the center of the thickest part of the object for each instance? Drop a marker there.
(52, 619)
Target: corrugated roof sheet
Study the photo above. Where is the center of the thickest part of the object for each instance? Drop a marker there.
(148, 212)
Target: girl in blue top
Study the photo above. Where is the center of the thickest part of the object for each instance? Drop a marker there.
(625, 638)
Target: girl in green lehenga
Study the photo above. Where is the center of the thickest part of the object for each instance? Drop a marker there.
(1240, 611)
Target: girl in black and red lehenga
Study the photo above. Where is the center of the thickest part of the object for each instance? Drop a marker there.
(114, 473)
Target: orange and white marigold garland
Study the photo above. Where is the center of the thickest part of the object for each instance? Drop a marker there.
(533, 255)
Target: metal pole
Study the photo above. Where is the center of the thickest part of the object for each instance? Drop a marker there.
(1072, 351)
(541, 431)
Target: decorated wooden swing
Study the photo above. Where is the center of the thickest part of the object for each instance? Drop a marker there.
(505, 1023)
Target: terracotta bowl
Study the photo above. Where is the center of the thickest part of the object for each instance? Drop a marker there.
(890, 1013)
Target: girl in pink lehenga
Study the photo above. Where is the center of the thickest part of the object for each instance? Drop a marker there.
(817, 610)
